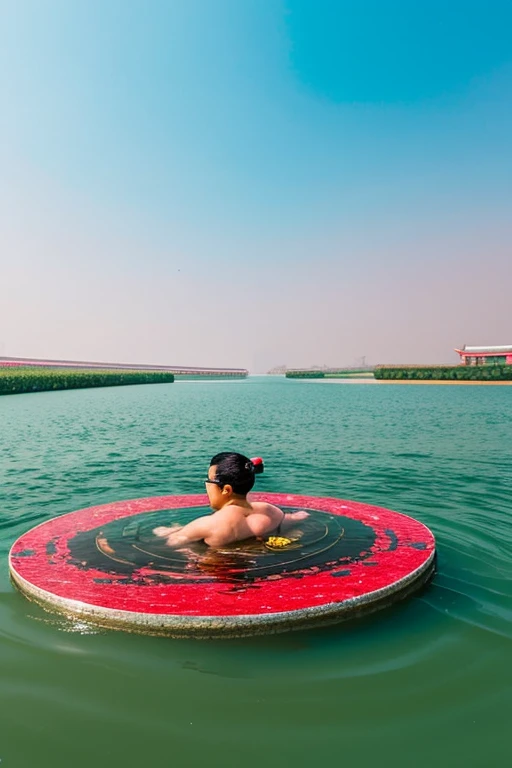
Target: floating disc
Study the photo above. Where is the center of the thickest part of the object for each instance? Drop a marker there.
(105, 565)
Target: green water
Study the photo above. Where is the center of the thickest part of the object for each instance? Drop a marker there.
(426, 683)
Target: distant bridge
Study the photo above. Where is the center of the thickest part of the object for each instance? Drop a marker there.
(178, 370)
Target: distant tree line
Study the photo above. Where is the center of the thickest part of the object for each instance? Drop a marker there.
(448, 372)
(305, 375)
(18, 380)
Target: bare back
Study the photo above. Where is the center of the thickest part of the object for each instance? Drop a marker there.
(233, 522)
(236, 522)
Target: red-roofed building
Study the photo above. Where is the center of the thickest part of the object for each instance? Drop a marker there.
(485, 355)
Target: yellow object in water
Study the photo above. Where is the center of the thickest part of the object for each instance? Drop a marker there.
(278, 542)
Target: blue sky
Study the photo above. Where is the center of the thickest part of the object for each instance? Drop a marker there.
(254, 182)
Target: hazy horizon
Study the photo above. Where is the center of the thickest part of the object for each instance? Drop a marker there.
(255, 184)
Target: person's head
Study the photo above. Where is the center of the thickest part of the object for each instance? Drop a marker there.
(230, 475)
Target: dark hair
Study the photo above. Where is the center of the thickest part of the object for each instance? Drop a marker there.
(235, 470)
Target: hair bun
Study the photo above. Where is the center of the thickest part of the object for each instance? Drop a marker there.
(257, 465)
(249, 465)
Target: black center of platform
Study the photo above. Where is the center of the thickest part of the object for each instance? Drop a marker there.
(124, 547)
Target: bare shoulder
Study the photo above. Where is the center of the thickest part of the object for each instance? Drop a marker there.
(264, 508)
(230, 512)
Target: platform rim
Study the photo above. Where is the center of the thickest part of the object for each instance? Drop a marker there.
(210, 625)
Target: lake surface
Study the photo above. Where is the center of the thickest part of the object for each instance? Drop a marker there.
(425, 683)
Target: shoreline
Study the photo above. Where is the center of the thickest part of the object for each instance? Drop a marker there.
(442, 381)
(407, 381)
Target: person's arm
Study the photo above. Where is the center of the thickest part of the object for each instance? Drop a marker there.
(289, 518)
(197, 530)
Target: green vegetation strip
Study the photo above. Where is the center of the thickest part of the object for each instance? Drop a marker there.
(448, 373)
(350, 375)
(341, 374)
(305, 375)
(18, 380)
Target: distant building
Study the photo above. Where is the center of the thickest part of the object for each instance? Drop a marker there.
(485, 355)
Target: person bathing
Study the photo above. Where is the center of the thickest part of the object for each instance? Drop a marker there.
(234, 518)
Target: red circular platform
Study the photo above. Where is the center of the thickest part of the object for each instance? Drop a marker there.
(104, 564)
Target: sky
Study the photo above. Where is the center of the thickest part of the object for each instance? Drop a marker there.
(252, 183)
